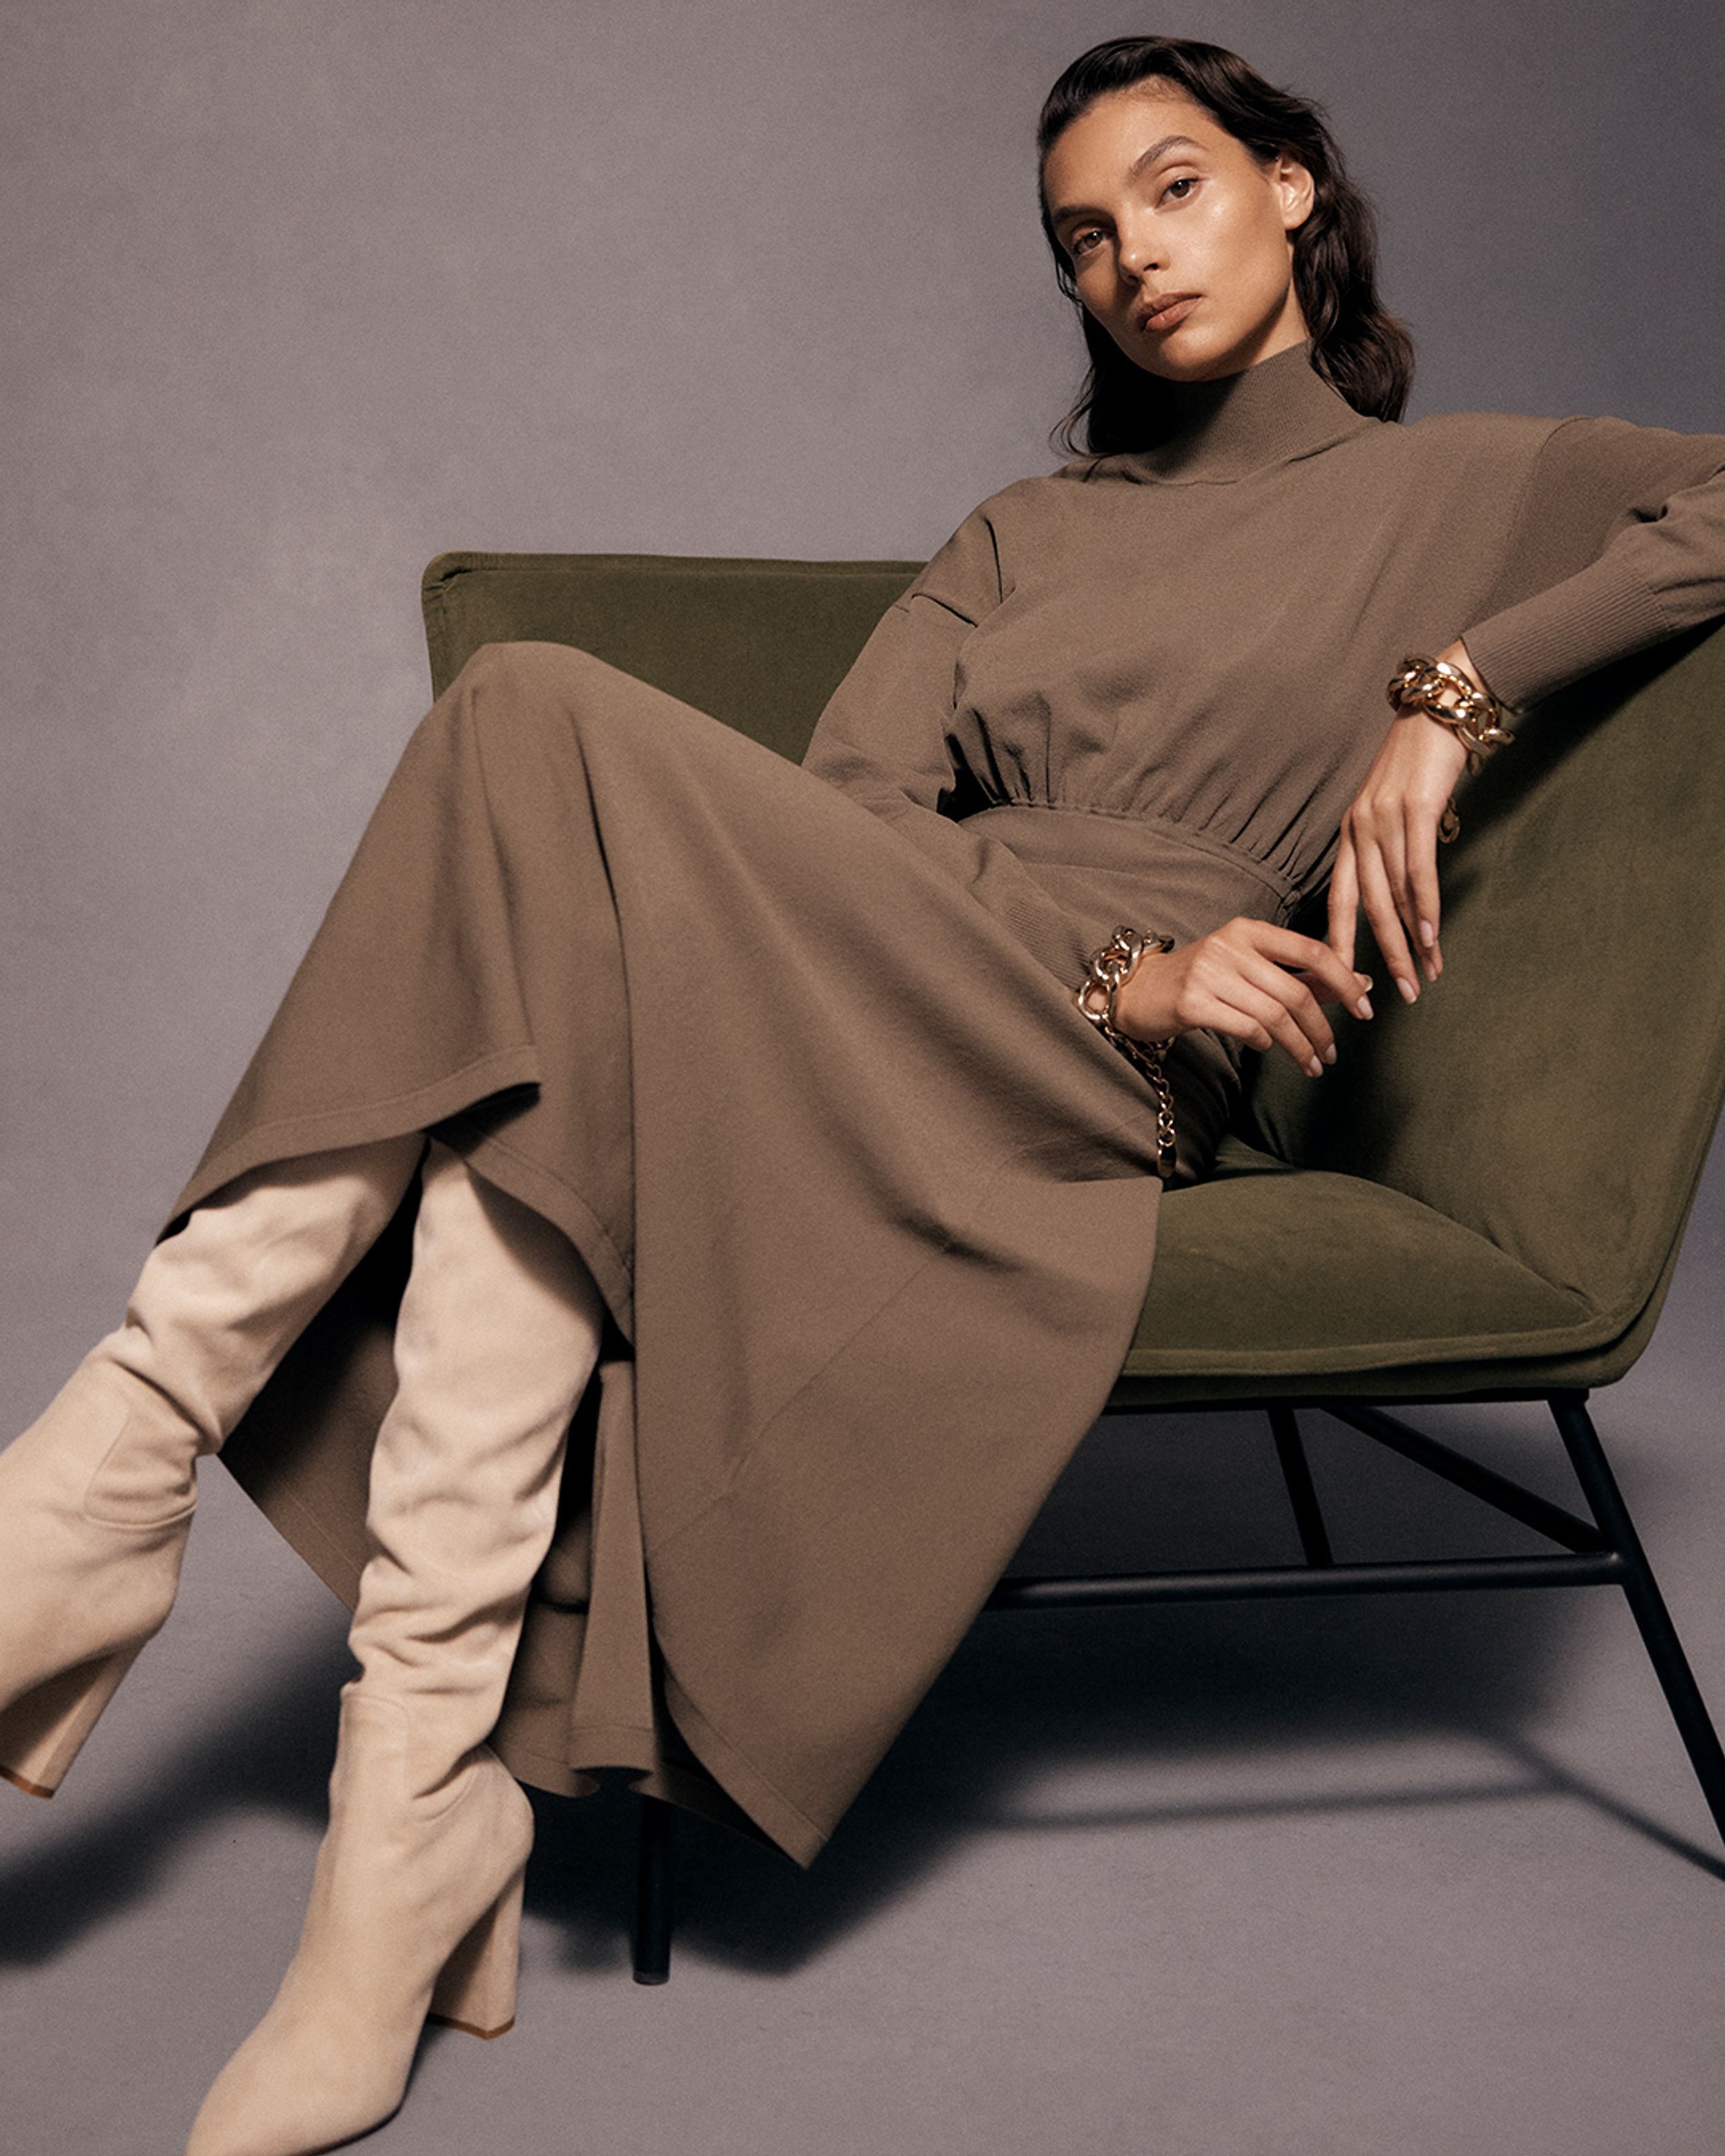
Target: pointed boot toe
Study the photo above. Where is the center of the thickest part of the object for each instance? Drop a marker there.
(415, 1912)
(294, 2088)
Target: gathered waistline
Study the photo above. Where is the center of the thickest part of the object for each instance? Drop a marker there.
(1112, 838)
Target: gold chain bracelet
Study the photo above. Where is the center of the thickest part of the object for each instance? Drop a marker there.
(1106, 974)
(1475, 716)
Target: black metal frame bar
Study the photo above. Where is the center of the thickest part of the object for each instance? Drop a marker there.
(1603, 1551)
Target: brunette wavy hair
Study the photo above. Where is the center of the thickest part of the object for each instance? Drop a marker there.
(1357, 348)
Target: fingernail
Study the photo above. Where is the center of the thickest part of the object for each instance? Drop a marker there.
(1330, 1053)
(1364, 1006)
(1409, 993)
(1315, 1067)
(1365, 980)
(1428, 934)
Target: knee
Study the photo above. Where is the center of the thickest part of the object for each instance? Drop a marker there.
(515, 696)
(517, 689)
(529, 672)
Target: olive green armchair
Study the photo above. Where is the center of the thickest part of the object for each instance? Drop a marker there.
(1482, 1202)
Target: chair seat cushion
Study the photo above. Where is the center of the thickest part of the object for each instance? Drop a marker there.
(1274, 1270)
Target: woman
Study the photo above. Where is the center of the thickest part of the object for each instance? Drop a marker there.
(773, 1096)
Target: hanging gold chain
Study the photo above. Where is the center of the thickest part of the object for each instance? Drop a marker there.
(1106, 974)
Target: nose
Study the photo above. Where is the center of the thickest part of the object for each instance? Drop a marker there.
(1137, 254)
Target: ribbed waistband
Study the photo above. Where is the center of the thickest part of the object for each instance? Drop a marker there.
(1100, 837)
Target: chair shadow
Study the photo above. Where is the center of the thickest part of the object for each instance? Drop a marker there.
(1068, 1691)
(1127, 1691)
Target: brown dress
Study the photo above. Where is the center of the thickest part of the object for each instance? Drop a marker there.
(791, 1055)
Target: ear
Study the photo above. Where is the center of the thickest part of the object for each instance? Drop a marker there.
(1294, 187)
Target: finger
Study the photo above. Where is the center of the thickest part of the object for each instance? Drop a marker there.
(1421, 844)
(1265, 1021)
(1216, 1014)
(1386, 923)
(1393, 851)
(1344, 902)
(1289, 990)
(1330, 977)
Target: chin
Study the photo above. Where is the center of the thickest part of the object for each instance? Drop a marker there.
(1207, 356)
(1171, 360)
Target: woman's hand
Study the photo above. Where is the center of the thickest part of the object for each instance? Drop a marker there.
(1387, 857)
(1262, 984)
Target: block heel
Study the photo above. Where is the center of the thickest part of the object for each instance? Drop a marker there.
(476, 1990)
(40, 1734)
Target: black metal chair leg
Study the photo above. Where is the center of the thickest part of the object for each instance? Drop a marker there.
(1303, 1492)
(1659, 1636)
(653, 1894)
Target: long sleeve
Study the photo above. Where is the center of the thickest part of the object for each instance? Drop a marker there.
(1619, 543)
(892, 737)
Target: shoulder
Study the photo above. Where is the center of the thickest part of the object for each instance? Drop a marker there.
(1497, 449)
(1441, 433)
(1029, 500)
(972, 572)
(1581, 456)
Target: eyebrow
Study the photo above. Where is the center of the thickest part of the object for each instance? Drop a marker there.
(1140, 165)
(1146, 158)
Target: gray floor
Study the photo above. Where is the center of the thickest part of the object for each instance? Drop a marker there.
(1427, 1876)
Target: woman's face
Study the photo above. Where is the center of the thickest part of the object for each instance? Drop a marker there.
(1156, 203)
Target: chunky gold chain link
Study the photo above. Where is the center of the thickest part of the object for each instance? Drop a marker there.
(1475, 714)
(1106, 974)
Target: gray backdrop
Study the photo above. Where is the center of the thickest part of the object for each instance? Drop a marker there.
(301, 292)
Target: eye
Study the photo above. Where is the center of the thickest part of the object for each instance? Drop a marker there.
(1188, 180)
(1081, 243)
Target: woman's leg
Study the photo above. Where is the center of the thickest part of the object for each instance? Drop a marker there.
(416, 1896)
(96, 1497)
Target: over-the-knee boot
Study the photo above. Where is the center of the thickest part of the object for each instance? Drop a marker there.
(96, 1496)
(416, 1899)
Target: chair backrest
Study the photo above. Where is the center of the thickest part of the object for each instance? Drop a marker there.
(1556, 1092)
(760, 644)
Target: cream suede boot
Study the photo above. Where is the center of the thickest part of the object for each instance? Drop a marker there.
(96, 1497)
(416, 1901)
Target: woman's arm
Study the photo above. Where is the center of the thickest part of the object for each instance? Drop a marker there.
(1620, 544)
(892, 737)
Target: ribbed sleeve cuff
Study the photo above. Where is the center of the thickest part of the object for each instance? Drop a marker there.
(1542, 644)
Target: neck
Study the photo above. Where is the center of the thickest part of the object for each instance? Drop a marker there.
(1267, 414)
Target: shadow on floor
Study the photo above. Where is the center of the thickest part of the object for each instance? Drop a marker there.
(1113, 1695)
(273, 1753)
(1064, 1693)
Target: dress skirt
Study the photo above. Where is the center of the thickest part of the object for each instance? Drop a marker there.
(872, 1209)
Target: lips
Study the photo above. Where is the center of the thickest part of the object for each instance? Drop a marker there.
(1167, 312)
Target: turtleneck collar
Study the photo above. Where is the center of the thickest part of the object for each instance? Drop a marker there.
(1268, 414)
